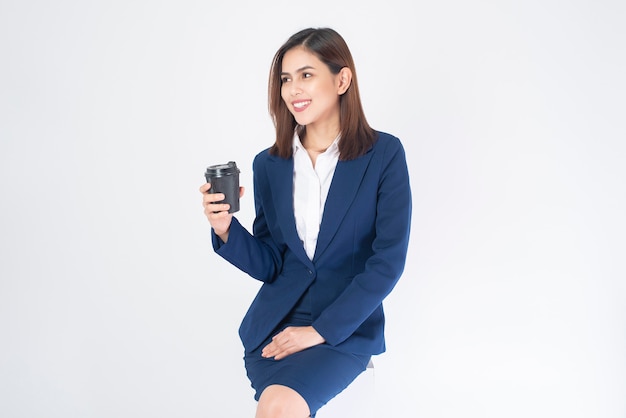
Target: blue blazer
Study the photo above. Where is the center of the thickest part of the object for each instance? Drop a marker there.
(359, 257)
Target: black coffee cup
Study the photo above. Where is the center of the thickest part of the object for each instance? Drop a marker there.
(224, 178)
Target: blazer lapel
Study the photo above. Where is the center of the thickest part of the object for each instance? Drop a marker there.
(343, 189)
(281, 186)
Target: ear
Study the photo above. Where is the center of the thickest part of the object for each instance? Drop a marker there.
(344, 79)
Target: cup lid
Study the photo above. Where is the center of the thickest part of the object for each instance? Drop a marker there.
(222, 169)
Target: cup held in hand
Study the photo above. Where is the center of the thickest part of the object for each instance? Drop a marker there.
(224, 178)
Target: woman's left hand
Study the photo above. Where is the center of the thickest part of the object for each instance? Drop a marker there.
(291, 340)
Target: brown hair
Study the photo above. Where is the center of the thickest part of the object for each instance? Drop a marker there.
(356, 135)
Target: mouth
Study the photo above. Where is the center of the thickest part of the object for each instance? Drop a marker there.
(300, 105)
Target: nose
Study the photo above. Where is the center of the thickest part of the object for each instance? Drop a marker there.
(295, 88)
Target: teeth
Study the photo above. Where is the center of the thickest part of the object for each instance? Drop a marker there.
(300, 104)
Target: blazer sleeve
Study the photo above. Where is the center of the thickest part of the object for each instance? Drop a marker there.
(384, 267)
(257, 255)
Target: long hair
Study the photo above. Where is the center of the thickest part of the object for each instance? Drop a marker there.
(356, 135)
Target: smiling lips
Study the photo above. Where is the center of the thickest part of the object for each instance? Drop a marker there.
(300, 105)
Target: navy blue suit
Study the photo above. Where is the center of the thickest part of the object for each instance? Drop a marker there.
(360, 253)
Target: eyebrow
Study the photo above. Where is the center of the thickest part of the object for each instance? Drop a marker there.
(299, 70)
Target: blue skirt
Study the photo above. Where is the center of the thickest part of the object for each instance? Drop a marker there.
(318, 373)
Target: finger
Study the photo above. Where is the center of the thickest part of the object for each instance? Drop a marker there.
(205, 187)
(272, 348)
(277, 354)
(268, 351)
(217, 210)
(216, 207)
(213, 197)
(282, 355)
(285, 351)
(241, 191)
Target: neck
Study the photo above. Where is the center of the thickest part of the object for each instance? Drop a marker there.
(318, 140)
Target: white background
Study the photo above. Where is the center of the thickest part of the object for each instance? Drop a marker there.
(112, 303)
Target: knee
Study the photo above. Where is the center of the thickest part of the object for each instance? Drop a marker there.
(281, 402)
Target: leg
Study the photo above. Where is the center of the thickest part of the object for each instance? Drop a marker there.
(278, 401)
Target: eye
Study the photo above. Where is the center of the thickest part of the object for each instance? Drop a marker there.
(284, 79)
(307, 75)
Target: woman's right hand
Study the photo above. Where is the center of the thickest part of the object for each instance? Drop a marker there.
(217, 213)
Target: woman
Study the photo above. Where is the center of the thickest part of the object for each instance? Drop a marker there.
(329, 241)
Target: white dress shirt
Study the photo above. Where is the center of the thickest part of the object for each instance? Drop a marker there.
(310, 189)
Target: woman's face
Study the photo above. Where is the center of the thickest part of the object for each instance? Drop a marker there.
(310, 91)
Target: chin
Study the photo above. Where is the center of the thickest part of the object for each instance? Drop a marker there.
(301, 120)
